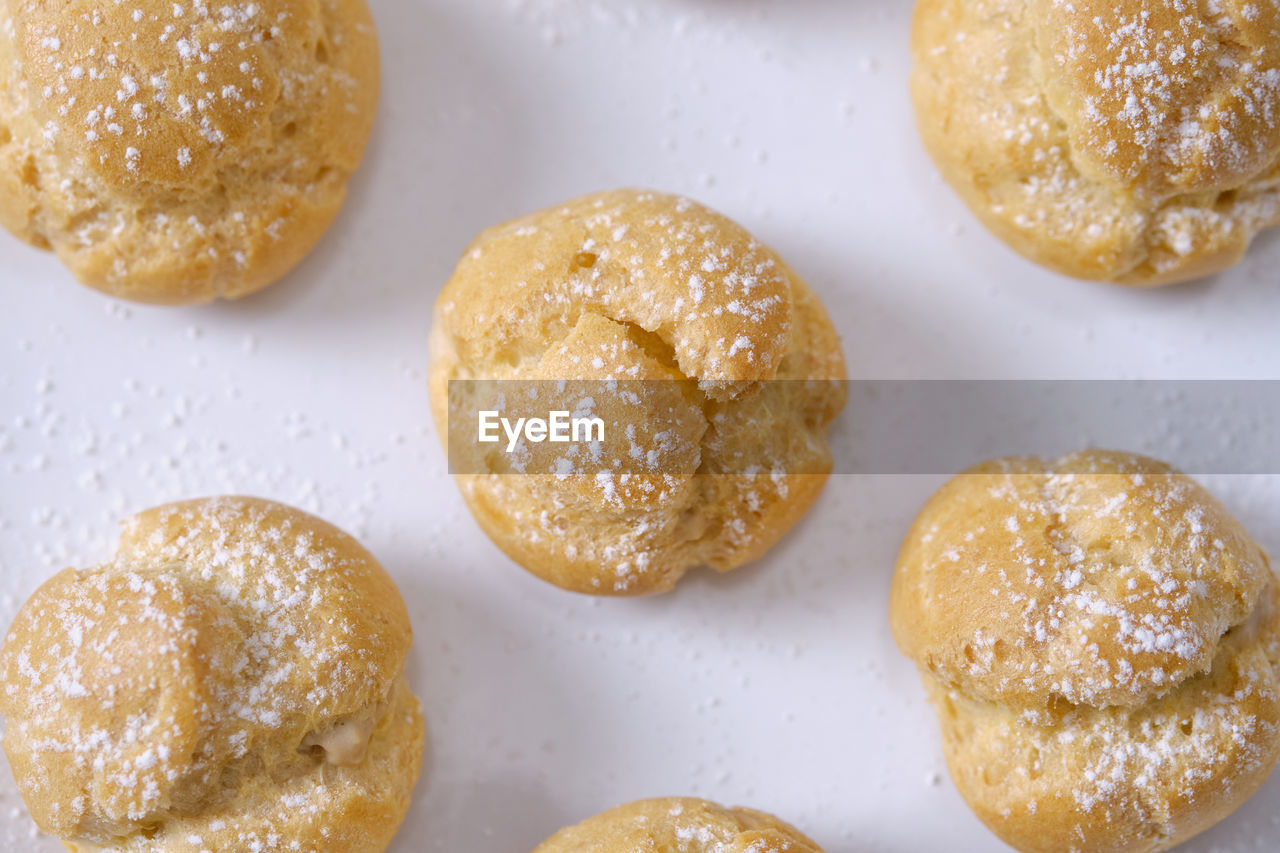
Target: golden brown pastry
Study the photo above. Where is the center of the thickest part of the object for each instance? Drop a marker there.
(679, 825)
(713, 449)
(178, 152)
(1130, 141)
(1101, 639)
(232, 680)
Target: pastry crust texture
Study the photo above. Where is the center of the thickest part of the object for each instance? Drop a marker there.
(1135, 142)
(174, 153)
(231, 680)
(700, 319)
(679, 825)
(1102, 641)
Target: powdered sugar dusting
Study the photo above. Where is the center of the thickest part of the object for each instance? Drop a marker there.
(167, 150)
(1138, 139)
(222, 633)
(681, 826)
(123, 90)
(636, 285)
(1113, 578)
(1102, 641)
(1170, 96)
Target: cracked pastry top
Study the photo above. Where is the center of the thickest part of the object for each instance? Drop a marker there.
(1135, 142)
(231, 680)
(679, 825)
(1102, 640)
(695, 338)
(175, 153)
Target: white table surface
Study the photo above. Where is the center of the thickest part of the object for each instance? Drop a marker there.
(777, 686)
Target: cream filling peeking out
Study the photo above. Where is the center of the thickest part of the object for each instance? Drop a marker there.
(346, 742)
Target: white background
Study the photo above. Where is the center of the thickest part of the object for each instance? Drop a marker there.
(777, 686)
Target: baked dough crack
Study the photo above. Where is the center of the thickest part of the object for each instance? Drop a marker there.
(164, 695)
(1151, 708)
(641, 287)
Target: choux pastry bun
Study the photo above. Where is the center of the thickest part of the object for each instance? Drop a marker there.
(679, 824)
(1127, 141)
(714, 367)
(174, 153)
(232, 680)
(1102, 641)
